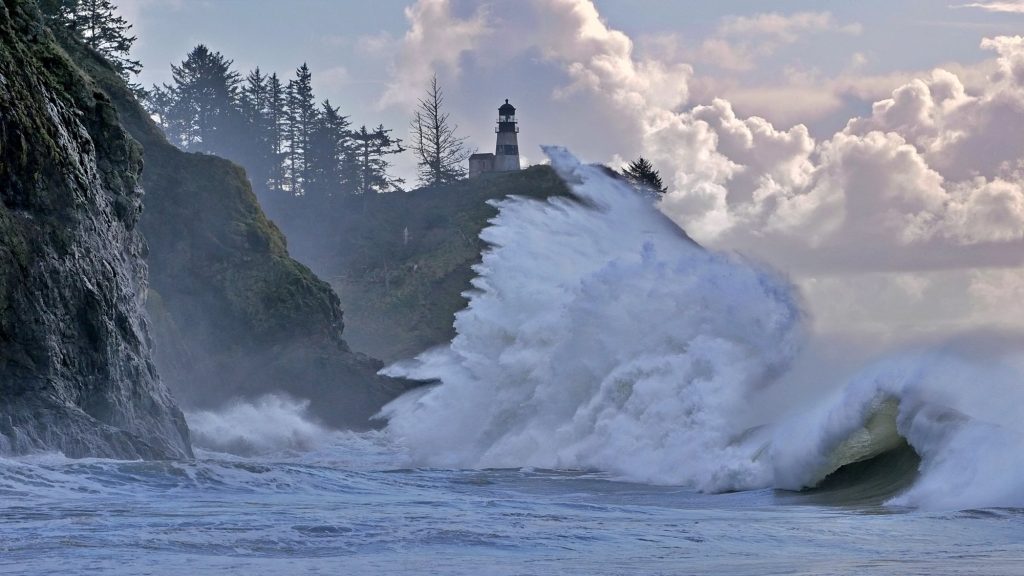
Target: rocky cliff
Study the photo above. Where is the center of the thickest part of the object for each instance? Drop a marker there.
(400, 262)
(76, 372)
(235, 316)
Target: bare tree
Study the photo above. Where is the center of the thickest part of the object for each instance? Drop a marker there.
(440, 153)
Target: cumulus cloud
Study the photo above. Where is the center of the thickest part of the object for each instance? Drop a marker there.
(560, 61)
(607, 65)
(930, 178)
(601, 59)
(567, 33)
(903, 222)
(436, 41)
(809, 96)
(932, 168)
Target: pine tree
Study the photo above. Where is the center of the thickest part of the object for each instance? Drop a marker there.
(158, 102)
(277, 121)
(52, 8)
(302, 117)
(177, 122)
(252, 97)
(59, 12)
(642, 174)
(283, 139)
(329, 153)
(97, 23)
(258, 153)
(439, 151)
(203, 115)
(372, 149)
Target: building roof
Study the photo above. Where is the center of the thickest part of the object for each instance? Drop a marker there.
(482, 156)
(506, 109)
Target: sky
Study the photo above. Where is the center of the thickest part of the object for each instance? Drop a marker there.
(872, 150)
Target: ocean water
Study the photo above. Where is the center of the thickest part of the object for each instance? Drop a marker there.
(345, 508)
(617, 400)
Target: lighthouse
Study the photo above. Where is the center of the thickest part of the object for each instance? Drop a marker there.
(506, 151)
(506, 148)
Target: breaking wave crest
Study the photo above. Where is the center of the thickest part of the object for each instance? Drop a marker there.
(270, 424)
(599, 336)
(957, 405)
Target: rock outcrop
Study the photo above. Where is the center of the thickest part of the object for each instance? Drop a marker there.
(76, 369)
(235, 316)
(401, 262)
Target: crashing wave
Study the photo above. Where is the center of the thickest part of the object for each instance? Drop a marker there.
(599, 336)
(958, 406)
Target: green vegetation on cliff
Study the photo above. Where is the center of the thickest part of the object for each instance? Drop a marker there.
(400, 261)
(235, 316)
(76, 368)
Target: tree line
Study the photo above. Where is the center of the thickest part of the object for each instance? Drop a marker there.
(287, 141)
(291, 144)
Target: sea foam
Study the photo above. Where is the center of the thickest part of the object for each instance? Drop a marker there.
(600, 336)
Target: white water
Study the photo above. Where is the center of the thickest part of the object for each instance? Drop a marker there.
(272, 423)
(600, 337)
(960, 407)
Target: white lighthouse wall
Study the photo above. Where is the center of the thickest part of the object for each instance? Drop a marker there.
(506, 162)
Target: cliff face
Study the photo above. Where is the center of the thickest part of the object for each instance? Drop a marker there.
(76, 373)
(235, 316)
(400, 262)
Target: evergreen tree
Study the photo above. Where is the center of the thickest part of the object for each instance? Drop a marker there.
(329, 153)
(283, 139)
(439, 151)
(642, 174)
(277, 121)
(97, 23)
(202, 114)
(302, 117)
(177, 122)
(257, 147)
(60, 12)
(372, 149)
(158, 102)
(252, 97)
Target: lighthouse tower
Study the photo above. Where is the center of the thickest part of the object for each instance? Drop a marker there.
(506, 152)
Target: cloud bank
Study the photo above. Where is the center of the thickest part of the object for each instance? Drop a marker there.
(932, 168)
(930, 179)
